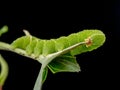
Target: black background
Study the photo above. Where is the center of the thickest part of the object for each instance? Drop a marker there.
(54, 19)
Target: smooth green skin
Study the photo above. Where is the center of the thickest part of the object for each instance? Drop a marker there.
(56, 54)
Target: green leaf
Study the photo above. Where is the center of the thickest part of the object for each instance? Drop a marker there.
(45, 72)
(64, 64)
(3, 30)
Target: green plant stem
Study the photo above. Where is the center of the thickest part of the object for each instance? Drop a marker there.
(4, 71)
(38, 83)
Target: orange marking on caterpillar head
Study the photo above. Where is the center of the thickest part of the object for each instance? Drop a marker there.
(88, 41)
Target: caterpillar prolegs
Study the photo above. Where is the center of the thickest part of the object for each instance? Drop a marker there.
(36, 46)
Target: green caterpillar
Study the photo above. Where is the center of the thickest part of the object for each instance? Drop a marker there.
(36, 46)
(58, 55)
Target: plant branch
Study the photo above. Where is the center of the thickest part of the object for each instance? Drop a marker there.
(39, 81)
(4, 71)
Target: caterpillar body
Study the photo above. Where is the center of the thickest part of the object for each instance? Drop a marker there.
(36, 46)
